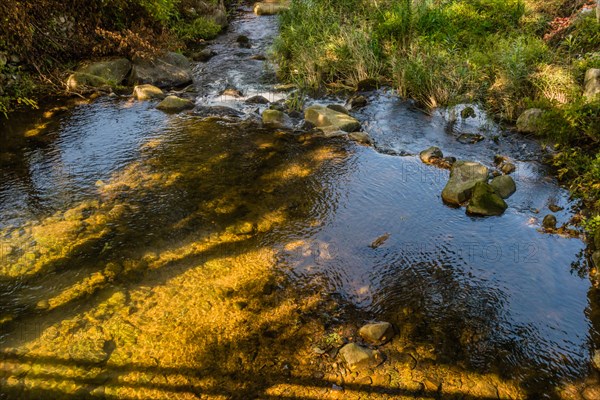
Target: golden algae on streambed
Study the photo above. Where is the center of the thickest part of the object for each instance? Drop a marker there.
(147, 300)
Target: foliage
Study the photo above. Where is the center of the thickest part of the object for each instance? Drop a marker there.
(14, 88)
(581, 171)
(198, 29)
(592, 225)
(49, 34)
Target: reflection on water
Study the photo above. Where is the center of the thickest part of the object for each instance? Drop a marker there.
(115, 200)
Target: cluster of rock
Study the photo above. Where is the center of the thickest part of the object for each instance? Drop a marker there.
(333, 120)
(149, 76)
(359, 357)
(473, 184)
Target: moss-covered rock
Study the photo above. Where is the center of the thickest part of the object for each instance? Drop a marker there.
(100, 74)
(173, 104)
(357, 357)
(147, 92)
(504, 186)
(114, 71)
(377, 333)
(431, 154)
(529, 121)
(169, 70)
(323, 117)
(463, 178)
(273, 118)
(485, 201)
(80, 82)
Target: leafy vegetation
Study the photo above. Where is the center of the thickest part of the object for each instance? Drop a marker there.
(508, 55)
(49, 36)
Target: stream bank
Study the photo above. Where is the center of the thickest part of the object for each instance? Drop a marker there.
(178, 256)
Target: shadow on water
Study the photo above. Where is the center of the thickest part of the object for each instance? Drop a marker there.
(170, 282)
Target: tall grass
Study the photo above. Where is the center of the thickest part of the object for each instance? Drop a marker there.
(439, 52)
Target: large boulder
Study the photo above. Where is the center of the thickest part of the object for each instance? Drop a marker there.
(530, 120)
(464, 175)
(592, 83)
(80, 82)
(504, 186)
(169, 70)
(358, 357)
(106, 73)
(147, 92)
(485, 201)
(377, 333)
(323, 117)
(174, 104)
(271, 7)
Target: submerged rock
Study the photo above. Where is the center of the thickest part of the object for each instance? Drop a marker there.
(464, 175)
(323, 117)
(358, 357)
(549, 222)
(380, 241)
(377, 333)
(100, 74)
(504, 186)
(147, 92)
(431, 155)
(592, 83)
(469, 138)
(175, 104)
(270, 7)
(204, 55)
(485, 201)
(555, 208)
(169, 70)
(243, 41)
(218, 111)
(529, 121)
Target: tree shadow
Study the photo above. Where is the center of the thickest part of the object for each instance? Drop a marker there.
(180, 291)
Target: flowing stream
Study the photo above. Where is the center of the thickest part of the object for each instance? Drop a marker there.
(491, 294)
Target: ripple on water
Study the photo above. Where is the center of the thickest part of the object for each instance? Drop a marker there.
(494, 293)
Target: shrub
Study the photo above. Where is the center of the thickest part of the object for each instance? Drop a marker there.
(197, 30)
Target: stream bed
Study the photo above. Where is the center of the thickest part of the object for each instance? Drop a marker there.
(153, 255)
